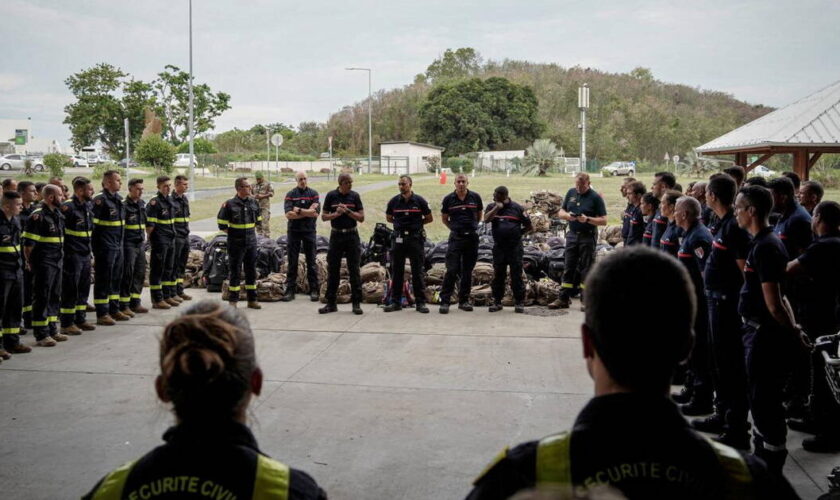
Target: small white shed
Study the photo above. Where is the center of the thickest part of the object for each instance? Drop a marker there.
(417, 154)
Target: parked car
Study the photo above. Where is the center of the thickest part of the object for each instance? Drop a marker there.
(183, 160)
(79, 161)
(132, 164)
(620, 168)
(762, 171)
(16, 162)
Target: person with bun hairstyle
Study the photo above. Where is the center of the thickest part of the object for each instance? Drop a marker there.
(209, 373)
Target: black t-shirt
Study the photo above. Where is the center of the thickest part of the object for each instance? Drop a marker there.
(639, 444)
(626, 216)
(303, 198)
(647, 237)
(462, 213)
(670, 240)
(766, 263)
(206, 462)
(636, 232)
(509, 223)
(730, 244)
(693, 253)
(589, 204)
(660, 224)
(794, 229)
(408, 214)
(821, 265)
(351, 200)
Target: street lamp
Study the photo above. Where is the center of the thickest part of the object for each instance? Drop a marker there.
(370, 126)
(583, 105)
(191, 192)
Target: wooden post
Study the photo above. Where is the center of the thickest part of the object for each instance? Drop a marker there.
(800, 163)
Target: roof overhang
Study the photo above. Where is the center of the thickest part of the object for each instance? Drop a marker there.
(774, 147)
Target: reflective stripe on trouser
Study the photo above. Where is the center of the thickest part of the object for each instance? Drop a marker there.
(182, 253)
(27, 298)
(134, 274)
(46, 299)
(240, 253)
(106, 287)
(10, 310)
(161, 267)
(75, 288)
(580, 255)
(461, 256)
(344, 245)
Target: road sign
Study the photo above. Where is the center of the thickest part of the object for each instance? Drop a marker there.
(277, 140)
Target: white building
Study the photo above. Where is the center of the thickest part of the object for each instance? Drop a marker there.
(19, 136)
(416, 154)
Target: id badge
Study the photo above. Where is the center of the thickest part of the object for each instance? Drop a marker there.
(399, 239)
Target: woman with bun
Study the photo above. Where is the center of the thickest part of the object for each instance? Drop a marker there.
(209, 373)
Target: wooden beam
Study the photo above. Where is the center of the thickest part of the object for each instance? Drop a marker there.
(759, 161)
(813, 160)
(800, 163)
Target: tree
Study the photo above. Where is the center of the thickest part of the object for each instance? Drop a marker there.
(155, 152)
(475, 114)
(105, 97)
(460, 63)
(540, 157)
(201, 146)
(172, 86)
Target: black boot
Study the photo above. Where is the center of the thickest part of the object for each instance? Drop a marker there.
(713, 424)
(288, 297)
(696, 407)
(329, 308)
(684, 396)
(357, 308)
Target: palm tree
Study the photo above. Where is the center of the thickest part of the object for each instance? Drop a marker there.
(539, 157)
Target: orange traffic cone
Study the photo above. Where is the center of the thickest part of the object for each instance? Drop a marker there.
(443, 177)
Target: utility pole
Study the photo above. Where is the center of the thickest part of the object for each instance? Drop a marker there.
(583, 105)
(191, 192)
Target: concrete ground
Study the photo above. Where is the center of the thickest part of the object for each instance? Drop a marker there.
(377, 406)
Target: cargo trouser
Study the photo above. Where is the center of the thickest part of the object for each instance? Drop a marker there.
(411, 248)
(162, 269)
(106, 286)
(461, 256)
(134, 273)
(344, 244)
(75, 288)
(182, 253)
(46, 298)
(240, 252)
(727, 351)
(27, 298)
(508, 255)
(580, 255)
(10, 308)
(265, 229)
(295, 241)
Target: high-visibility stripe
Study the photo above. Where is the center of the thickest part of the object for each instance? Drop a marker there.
(39, 323)
(138, 227)
(9, 249)
(169, 283)
(582, 286)
(159, 221)
(271, 480)
(108, 223)
(223, 222)
(554, 464)
(155, 287)
(182, 220)
(78, 234)
(65, 310)
(31, 236)
(250, 287)
(567, 285)
(738, 478)
(52, 319)
(242, 226)
(125, 299)
(100, 301)
(26, 309)
(11, 331)
(51, 239)
(81, 307)
(135, 295)
(234, 288)
(179, 281)
(114, 297)
(112, 486)
(259, 218)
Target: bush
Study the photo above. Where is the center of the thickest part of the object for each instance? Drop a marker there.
(827, 176)
(155, 152)
(458, 165)
(201, 146)
(56, 163)
(100, 168)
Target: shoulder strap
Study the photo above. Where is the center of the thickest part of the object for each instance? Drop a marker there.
(272, 480)
(737, 477)
(554, 464)
(111, 487)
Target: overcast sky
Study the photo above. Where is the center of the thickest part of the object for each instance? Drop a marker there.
(283, 61)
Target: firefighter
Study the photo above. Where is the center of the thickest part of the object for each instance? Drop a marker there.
(181, 206)
(134, 266)
(107, 241)
(11, 275)
(239, 217)
(160, 228)
(75, 284)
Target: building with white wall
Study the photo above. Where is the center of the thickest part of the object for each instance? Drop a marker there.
(19, 135)
(417, 154)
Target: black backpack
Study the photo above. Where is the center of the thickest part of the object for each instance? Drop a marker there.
(556, 264)
(269, 256)
(197, 242)
(378, 246)
(533, 262)
(216, 264)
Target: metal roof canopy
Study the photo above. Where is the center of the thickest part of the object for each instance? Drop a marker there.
(806, 129)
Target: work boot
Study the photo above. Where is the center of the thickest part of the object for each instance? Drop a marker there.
(775, 459)
(496, 307)
(161, 304)
(59, 337)
(232, 303)
(177, 299)
(288, 297)
(562, 302)
(71, 330)
(394, 306)
(357, 308)
(184, 296)
(172, 302)
(253, 304)
(682, 397)
(314, 297)
(737, 440)
(805, 425)
(821, 443)
(46, 342)
(128, 312)
(465, 306)
(139, 309)
(713, 424)
(329, 308)
(89, 308)
(421, 308)
(86, 327)
(519, 308)
(696, 407)
(444, 309)
(105, 321)
(4, 354)
(119, 316)
(20, 349)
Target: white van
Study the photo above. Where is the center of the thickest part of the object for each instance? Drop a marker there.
(183, 160)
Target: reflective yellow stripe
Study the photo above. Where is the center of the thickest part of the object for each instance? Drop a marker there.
(108, 223)
(554, 465)
(100, 301)
(26, 309)
(234, 288)
(125, 299)
(182, 220)
(81, 307)
(7, 249)
(567, 285)
(222, 222)
(271, 481)
(79, 234)
(242, 226)
(114, 297)
(169, 283)
(52, 319)
(39, 323)
(51, 239)
(159, 221)
(738, 477)
(11, 331)
(135, 295)
(111, 487)
(138, 227)
(67, 310)
(250, 287)
(31, 236)
(259, 218)
(155, 287)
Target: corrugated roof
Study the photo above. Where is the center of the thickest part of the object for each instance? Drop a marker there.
(810, 121)
(413, 143)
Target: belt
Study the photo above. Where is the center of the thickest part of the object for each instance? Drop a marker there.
(348, 230)
(750, 322)
(714, 294)
(408, 233)
(462, 233)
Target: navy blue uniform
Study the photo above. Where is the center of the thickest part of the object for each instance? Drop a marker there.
(107, 241)
(27, 273)
(11, 276)
(626, 217)
(647, 237)
(408, 242)
(642, 446)
(240, 217)
(212, 461)
(636, 232)
(508, 225)
(794, 229)
(344, 243)
(669, 242)
(660, 223)
(45, 232)
(301, 233)
(581, 237)
(134, 258)
(75, 284)
(181, 208)
(723, 280)
(767, 345)
(462, 252)
(160, 215)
